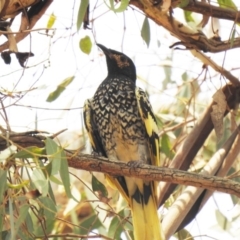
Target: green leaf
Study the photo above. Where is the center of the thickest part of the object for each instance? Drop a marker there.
(2, 217)
(40, 181)
(29, 223)
(55, 180)
(145, 31)
(51, 21)
(49, 208)
(23, 212)
(227, 4)
(188, 16)
(60, 88)
(48, 211)
(11, 215)
(166, 147)
(50, 193)
(54, 155)
(85, 44)
(64, 174)
(221, 219)
(3, 181)
(89, 224)
(121, 8)
(119, 224)
(184, 234)
(30, 152)
(81, 12)
(66, 81)
(97, 186)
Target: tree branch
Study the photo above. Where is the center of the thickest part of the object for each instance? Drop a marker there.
(152, 173)
(188, 37)
(212, 11)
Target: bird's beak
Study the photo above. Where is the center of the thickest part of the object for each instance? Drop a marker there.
(104, 49)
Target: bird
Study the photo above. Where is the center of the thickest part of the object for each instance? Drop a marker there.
(122, 127)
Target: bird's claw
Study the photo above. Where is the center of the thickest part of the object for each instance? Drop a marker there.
(135, 163)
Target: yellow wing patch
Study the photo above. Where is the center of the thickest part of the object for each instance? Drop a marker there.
(97, 146)
(87, 121)
(149, 120)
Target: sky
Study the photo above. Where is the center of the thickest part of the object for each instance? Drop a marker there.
(57, 56)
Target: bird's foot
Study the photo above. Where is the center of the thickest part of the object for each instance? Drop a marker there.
(96, 154)
(135, 163)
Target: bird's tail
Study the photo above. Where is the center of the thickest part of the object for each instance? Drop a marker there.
(146, 223)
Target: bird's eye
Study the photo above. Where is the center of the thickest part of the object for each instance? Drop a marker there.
(123, 59)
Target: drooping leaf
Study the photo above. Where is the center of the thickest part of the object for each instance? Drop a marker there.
(49, 207)
(40, 181)
(29, 223)
(60, 88)
(145, 31)
(97, 186)
(119, 224)
(64, 174)
(3, 181)
(51, 21)
(2, 213)
(85, 44)
(23, 212)
(90, 223)
(81, 12)
(55, 180)
(11, 216)
(54, 155)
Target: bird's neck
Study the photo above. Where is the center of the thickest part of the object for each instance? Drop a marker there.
(117, 75)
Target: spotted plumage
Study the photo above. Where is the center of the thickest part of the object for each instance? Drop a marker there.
(122, 127)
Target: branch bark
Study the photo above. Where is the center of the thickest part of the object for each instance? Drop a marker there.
(147, 172)
(192, 39)
(205, 8)
(152, 173)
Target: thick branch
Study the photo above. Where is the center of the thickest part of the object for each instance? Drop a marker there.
(148, 172)
(213, 11)
(196, 138)
(27, 23)
(191, 39)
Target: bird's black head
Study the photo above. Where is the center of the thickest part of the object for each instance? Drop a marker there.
(119, 63)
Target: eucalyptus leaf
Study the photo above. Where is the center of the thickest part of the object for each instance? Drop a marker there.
(145, 31)
(51, 21)
(97, 186)
(81, 12)
(60, 88)
(85, 45)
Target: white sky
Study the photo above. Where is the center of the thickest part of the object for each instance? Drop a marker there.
(62, 58)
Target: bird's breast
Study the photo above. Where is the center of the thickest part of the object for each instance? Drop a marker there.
(119, 124)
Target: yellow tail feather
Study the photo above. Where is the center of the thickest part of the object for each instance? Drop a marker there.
(145, 221)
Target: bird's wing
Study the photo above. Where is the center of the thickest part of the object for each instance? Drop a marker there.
(92, 130)
(149, 120)
(96, 142)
